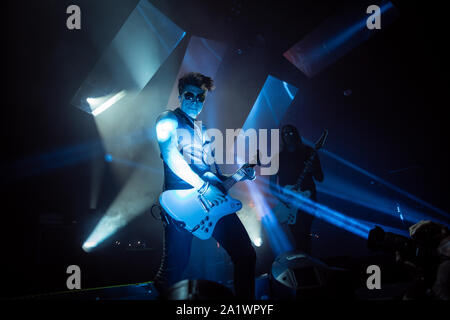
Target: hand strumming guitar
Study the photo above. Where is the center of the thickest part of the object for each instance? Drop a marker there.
(212, 194)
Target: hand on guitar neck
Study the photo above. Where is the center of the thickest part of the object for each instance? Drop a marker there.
(199, 210)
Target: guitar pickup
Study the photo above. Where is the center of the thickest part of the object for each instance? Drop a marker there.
(203, 204)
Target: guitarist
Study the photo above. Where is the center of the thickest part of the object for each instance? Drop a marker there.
(182, 174)
(292, 163)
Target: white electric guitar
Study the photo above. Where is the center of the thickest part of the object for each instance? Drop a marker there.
(286, 211)
(194, 212)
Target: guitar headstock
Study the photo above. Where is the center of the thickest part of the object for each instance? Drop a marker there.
(320, 143)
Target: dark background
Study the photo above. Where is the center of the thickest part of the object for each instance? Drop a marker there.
(395, 118)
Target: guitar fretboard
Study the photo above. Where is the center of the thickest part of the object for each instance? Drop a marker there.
(308, 166)
(230, 181)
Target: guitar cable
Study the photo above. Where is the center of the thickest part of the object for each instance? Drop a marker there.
(164, 217)
(155, 205)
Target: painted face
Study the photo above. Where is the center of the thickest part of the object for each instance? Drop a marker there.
(191, 100)
(290, 136)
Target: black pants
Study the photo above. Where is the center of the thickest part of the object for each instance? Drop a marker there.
(301, 231)
(231, 235)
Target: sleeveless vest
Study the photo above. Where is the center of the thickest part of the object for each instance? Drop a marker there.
(193, 150)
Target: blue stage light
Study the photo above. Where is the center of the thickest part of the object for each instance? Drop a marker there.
(335, 37)
(140, 47)
(271, 104)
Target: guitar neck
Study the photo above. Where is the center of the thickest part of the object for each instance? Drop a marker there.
(318, 145)
(308, 166)
(232, 180)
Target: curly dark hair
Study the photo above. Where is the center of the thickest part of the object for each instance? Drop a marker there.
(195, 79)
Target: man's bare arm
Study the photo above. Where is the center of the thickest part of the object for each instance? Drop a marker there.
(166, 132)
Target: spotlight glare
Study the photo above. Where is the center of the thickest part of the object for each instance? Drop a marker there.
(105, 105)
(163, 129)
(257, 242)
(88, 245)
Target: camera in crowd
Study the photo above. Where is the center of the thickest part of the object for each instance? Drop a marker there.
(425, 256)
